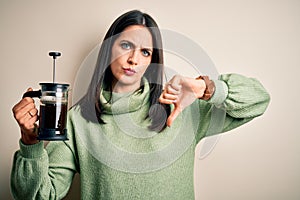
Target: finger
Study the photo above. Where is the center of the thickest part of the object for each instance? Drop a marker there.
(32, 121)
(169, 96)
(32, 118)
(173, 115)
(23, 103)
(172, 90)
(20, 112)
(27, 121)
(25, 109)
(175, 82)
(165, 100)
(33, 112)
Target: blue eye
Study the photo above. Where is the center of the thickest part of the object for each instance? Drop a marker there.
(145, 53)
(125, 45)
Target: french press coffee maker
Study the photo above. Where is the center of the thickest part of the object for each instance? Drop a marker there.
(53, 107)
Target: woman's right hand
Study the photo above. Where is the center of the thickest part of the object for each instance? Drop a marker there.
(26, 115)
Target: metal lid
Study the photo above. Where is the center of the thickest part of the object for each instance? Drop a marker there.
(54, 86)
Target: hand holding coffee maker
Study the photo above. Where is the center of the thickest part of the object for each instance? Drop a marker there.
(53, 111)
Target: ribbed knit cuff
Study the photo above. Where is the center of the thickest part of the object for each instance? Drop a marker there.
(220, 94)
(32, 151)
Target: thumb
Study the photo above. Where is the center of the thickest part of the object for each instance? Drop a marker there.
(29, 89)
(173, 115)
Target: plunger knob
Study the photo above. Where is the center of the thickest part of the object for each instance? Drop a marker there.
(54, 54)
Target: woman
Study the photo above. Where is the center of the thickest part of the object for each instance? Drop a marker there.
(129, 138)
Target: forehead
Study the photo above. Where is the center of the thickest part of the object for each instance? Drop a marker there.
(138, 35)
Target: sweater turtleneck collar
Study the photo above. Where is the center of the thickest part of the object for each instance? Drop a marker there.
(120, 103)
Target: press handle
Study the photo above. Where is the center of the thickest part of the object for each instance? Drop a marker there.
(37, 94)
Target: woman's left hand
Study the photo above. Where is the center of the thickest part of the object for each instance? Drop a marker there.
(182, 92)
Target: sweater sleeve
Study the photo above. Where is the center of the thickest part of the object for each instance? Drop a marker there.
(42, 173)
(237, 100)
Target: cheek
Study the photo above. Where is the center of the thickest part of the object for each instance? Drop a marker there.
(115, 69)
(145, 63)
(144, 67)
(114, 56)
(117, 55)
(118, 60)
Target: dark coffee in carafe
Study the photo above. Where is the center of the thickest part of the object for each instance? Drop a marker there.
(54, 117)
(53, 110)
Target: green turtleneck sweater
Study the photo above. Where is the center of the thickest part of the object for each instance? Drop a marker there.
(122, 159)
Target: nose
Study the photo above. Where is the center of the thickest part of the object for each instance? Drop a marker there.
(133, 58)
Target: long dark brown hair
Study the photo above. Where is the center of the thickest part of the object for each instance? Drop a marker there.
(158, 112)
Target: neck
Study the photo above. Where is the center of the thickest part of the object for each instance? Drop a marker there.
(119, 87)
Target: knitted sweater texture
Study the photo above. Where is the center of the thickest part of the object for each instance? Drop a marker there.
(122, 159)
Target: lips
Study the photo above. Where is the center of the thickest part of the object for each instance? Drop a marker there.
(128, 71)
